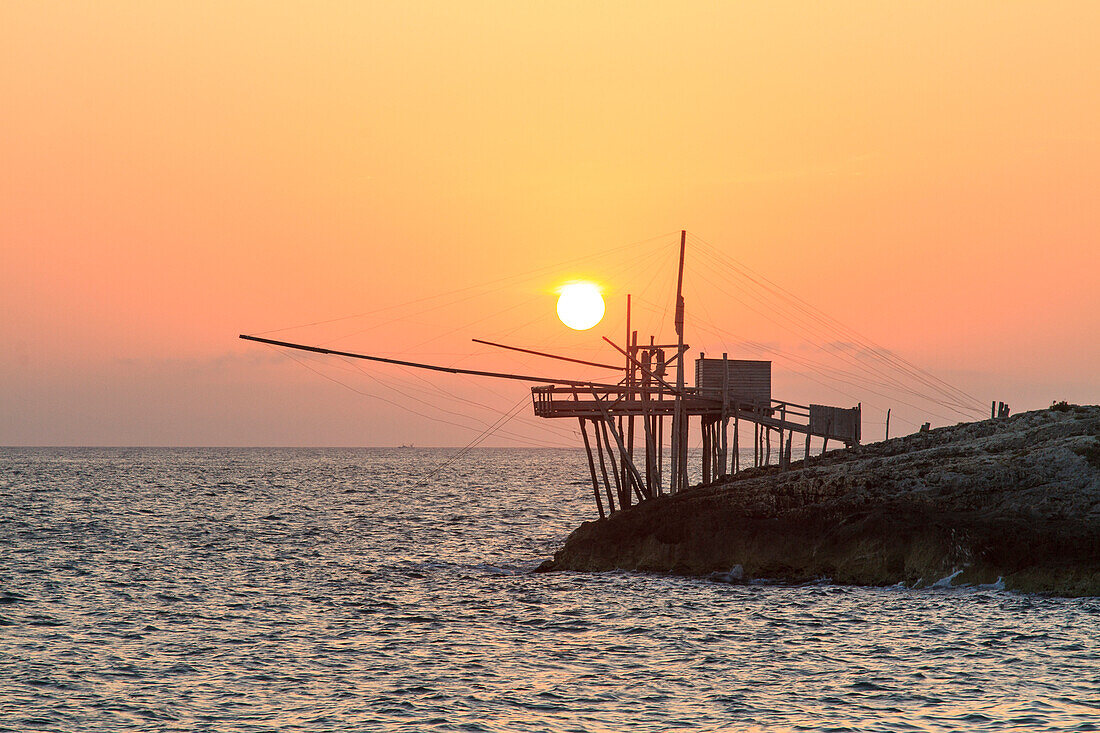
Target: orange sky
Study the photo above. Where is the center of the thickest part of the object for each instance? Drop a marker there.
(177, 173)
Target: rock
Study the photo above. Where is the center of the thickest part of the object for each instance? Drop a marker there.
(1012, 502)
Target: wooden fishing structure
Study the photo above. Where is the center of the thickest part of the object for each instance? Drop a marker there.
(644, 407)
(626, 425)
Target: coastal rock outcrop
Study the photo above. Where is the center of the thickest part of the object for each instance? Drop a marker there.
(1014, 500)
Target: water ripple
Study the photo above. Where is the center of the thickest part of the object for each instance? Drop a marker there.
(249, 590)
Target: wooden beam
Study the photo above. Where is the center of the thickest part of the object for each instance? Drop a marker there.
(603, 467)
(431, 367)
(548, 356)
(624, 496)
(591, 467)
(627, 461)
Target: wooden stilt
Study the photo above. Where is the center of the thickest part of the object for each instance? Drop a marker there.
(719, 449)
(624, 495)
(782, 420)
(603, 467)
(715, 449)
(654, 423)
(678, 480)
(631, 476)
(632, 350)
(724, 457)
(736, 442)
(647, 423)
(685, 425)
(591, 466)
(660, 451)
(705, 432)
(674, 451)
(622, 453)
(724, 448)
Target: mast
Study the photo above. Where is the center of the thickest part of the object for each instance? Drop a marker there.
(679, 426)
(628, 432)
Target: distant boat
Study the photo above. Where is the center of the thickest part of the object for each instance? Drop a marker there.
(410, 445)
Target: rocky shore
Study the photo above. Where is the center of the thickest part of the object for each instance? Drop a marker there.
(1013, 502)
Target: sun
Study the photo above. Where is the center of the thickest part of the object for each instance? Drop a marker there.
(580, 305)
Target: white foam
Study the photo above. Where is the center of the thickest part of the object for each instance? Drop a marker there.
(998, 585)
(735, 575)
(948, 581)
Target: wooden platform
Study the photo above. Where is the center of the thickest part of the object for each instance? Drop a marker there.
(554, 401)
(638, 409)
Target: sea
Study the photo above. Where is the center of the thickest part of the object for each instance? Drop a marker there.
(351, 590)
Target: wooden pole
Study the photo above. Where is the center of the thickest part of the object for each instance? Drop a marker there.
(591, 467)
(624, 496)
(708, 452)
(704, 430)
(736, 442)
(431, 367)
(603, 466)
(627, 383)
(679, 429)
(632, 346)
(543, 353)
(685, 426)
(660, 446)
(718, 450)
(782, 421)
(888, 423)
(630, 471)
(647, 425)
(655, 423)
(622, 452)
(723, 448)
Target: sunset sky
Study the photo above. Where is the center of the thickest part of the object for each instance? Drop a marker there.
(406, 176)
